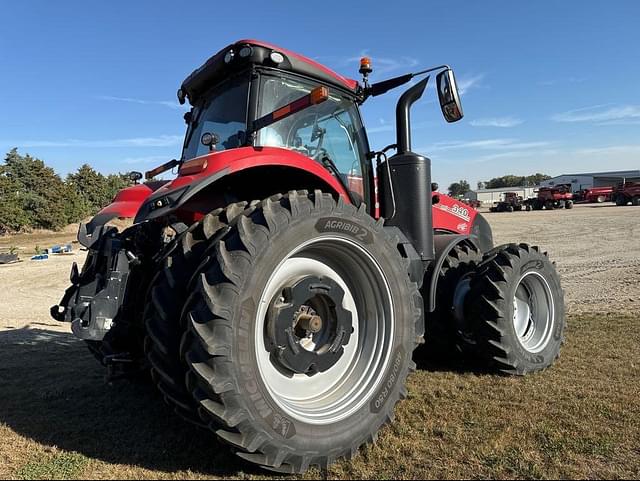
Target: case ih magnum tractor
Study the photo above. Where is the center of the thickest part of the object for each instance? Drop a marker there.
(271, 302)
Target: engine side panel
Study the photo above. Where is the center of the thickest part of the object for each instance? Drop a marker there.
(453, 216)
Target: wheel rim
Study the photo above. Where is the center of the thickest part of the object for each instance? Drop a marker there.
(330, 396)
(533, 312)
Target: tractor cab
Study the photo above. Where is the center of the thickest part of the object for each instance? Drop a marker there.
(249, 80)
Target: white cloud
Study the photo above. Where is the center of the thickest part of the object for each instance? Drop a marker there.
(486, 144)
(503, 122)
(466, 83)
(159, 141)
(610, 150)
(384, 65)
(165, 103)
(152, 159)
(601, 115)
(570, 80)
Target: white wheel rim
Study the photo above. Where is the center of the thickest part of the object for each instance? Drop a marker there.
(533, 312)
(337, 393)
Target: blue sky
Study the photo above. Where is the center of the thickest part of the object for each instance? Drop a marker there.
(547, 86)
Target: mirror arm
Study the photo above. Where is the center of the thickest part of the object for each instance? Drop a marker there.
(384, 86)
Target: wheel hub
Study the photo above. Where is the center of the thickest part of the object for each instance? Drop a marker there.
(307, 327)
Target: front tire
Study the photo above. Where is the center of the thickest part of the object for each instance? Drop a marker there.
(444, 332)
(517, 306)
(301, 333)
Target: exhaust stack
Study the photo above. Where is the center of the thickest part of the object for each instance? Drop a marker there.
(404, 183)
(403, 120)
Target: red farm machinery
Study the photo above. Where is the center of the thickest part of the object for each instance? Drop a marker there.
(627, 193)
(262, 290)
(512, 202)
(549, 198)
(594, 195)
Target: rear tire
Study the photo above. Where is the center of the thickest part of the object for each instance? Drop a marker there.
(636, 200)
(568, 204)
(168, 294)
(517, 306)
(621, 200)
(275, 416)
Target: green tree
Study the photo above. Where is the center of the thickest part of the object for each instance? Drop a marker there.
(516, 181)
(34, 196)
(460, 188)
(12, 215)
(95, 189)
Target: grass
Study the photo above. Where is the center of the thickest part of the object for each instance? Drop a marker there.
(580, 419)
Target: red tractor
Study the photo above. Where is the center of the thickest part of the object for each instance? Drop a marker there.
(550, 198)
(269, 301)
(512, 202)
(627, 192)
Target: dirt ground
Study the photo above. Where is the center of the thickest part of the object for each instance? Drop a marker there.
(596, 249)
(580, 419)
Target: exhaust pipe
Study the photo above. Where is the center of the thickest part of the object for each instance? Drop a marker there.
(403, 121)
(404, 183)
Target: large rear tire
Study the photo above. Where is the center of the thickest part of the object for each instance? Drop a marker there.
(301, 332)
(636, 200)
(168, 295)
(621, 200)
(517, 306)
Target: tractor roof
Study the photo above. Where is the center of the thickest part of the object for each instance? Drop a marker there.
(258, 53)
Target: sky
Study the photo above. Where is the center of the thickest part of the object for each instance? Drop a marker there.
(546, 86)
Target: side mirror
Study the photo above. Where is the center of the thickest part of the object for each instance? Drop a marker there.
(135, 176)
(448, 95)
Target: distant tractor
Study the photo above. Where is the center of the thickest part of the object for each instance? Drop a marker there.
(512, 202)
(627, 192)
(550, 198)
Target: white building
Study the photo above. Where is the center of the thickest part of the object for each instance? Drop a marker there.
(592, 179)
(489, 196)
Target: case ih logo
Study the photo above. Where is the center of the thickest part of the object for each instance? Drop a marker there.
(456, 210)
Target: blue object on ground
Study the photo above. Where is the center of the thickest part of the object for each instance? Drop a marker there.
(40, 257)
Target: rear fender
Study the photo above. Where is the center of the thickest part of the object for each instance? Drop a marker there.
(239, 174)
(126, 204)
(443, 243)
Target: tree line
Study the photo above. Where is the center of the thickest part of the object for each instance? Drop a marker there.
(34, 196)
(460, 188)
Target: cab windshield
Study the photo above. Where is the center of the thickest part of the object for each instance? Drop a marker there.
(223, 112)
(331, 129)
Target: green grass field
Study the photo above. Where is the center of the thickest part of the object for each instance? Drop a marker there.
(580, 419)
